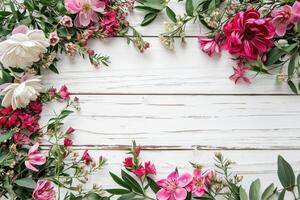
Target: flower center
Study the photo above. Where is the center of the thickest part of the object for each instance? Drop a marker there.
(249, 34)
(171, 185)
(86, 7)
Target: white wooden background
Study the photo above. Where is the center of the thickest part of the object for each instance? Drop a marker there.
(180, 106)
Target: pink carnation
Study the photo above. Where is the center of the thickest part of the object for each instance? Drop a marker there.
(285, 17)
(210, 45)
(248, 35)
(86, 10)
(44, 190)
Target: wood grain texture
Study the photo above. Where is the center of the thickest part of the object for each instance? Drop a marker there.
(183, 71)
(188, 122)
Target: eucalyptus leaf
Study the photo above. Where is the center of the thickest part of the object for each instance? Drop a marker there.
(254, 193)
(268, 193)
(171, 14)
(5, 136)
(285, 174)
(298, 184)
(189, 7)
(292, 64)
(243, 194)
(281, 195)
(292, 86)
(26, 182)
(150, 17)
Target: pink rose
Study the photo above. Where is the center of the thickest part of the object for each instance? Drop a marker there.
(44, 190)
(285, 17)
(248, 35)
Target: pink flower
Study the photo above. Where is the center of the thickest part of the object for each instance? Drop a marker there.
(36, 106)
(86, 156)
(137, 150)
(53, 38)
(109, 23)
(198, 185)
(70, 49)
(87, 10)
(64, 93)
(248, 35)
(20, 138)
(172, 188)
(211, 45)
(66, 21)
(140, 171)
(20, 29)
(44, 190)
(239, 73)
(285, 17)
(52, 92)
(209, 175)
(150, 168)
(34, 158)
(70, 130)
(128, 163)
(68, 142)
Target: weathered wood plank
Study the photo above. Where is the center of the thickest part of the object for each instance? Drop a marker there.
(183, 71)
(187, 121)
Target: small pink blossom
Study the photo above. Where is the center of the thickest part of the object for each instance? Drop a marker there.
(211, 45)
(66, 21)
(86, 157)
(20, 29)
(285, 17)
(137, 150)
(44, 190)
(209, 176)
(53, 38)
(34, 158)
(52, 92)
(239, 73)
(70, 130)
(173, 186)
(150, 168)
(198, 185)
(70, 49)
(140, 171)
(128, 162)
(86, 10)
(68, 142)
(64, 92)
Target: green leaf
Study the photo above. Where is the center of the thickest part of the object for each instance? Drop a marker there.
(291, 67)
(126, 197)
(91, 196)
(26, 182)
(118, 191)
(274, 55)
(292, 86)
(5, 13)
(154, 187)
(53, 69)
(171, 14)
(6, 136)
(268, 193)
(119, 181)
(281, 195)
(298, 184)
(189, 7)
(5, 77)
(150, 17)
(285, 174)
(132, 182)
(147, 9)
(254, 193)
(259, 69)
(243, 194)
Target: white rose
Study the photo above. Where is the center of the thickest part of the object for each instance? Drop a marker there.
(19, 95)
(22, 49)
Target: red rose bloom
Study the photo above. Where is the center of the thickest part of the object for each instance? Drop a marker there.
(68, 142)
(140, 171)
(248, 35)
(128, 163)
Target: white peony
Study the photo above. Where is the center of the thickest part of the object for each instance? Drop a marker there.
(22, 49)
(19, 95)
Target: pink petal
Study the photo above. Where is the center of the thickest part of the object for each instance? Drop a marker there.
(20, 29)
(72, 6)
(161, 182)
(197, 173)
(295, 13)
(37, 159)
(184, 179)
(199, 193)
(31, 167)
(85, 18)
(173, 175)
(94, 17)
(180, 194)
(34, 148)
(98, 6)
(163, 194)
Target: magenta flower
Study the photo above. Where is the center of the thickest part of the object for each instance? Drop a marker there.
(64, 92)
(34, 158)
(86, 10)
(198, 185)
(248, 35)
(44, 190)
(239, 73)
(285, 17)
(172, 188)
(210, 45)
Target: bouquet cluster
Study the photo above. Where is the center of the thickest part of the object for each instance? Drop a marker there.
(262, 36)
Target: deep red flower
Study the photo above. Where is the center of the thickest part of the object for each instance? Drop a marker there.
(140, 171)
(20, 138)
(109, 23)
(128, 163)
(36, 106)
(64, 92)
(150, 168)
(86, 156)
(68, 142)
(70, 130)
(248, 35)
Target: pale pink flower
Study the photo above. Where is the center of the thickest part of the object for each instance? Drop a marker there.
(66, 21)
(198, 185)
(173, 186)
(86, 10)
(20, 29)
(211, 45)
(53, 38)
(285, 17)
(34, 158)
(239, 73)
(44, 190)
